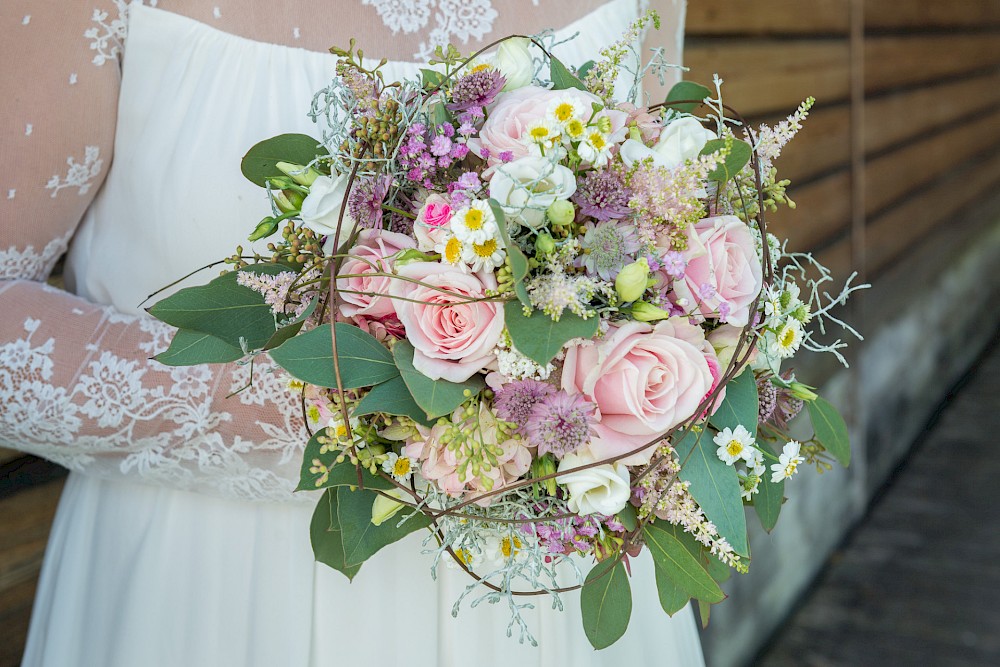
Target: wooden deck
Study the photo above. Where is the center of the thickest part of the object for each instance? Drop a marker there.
(918, 582)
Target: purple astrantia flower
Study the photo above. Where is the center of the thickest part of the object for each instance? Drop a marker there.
(560, 423)
(365, 201)
(602, 195)
(608, 247)
(514, 401)
(476, 89)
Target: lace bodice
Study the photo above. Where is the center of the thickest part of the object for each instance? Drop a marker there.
(77, 384)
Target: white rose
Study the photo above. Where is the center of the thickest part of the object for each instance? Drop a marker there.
(602, 490)
(525, 188)
(515, 63)
(321, 207)
(680, 141)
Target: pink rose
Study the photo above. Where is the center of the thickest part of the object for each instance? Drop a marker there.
(453, 337)
(364, 295)
(644, 380)
(723, 275)
(430, 227)
(514, 111)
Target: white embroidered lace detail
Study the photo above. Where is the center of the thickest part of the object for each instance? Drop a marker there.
(156, 422)
(79, 174)
(29, 264)
(107, 38)
(461, 19)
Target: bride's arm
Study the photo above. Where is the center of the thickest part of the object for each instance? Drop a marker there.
(76, 382)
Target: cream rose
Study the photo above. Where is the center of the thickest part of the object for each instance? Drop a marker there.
(364, 294)
(514, 61)
(644, 380)
(679, 142)
(453, 336)
(526, 187)
(603, 489)
(321, 207)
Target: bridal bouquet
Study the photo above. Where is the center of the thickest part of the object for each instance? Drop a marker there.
(544, 326)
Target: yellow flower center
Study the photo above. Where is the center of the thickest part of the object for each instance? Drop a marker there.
(575, 128)
(564, 112)
(485, 249)
(480, 68)
(539, 133)
(597, 141)
(509, 546)
(474, 219)
(463, 556)
(787, 337)
(401, 468)
(734, 448)
(453, 250)
(790, 468)
(341, 431)
(313, 413)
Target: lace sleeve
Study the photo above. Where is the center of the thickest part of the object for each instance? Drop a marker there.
(76, 382)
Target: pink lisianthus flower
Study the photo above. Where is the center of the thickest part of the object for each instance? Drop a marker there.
(365, 295)
(723, 275)
(439, 464)
(644, 379)
(453, 336)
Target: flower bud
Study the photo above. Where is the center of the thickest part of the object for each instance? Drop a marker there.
(631, 281)
(647, 312)
(411, 255)
(384, 508)
(301, 175)
(544, 244)
(295, 198)
(561, 212)
(264, 228)
(514, 61)
(802, 391)
(283, 203)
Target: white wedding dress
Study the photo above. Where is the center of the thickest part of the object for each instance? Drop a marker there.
(201, 555)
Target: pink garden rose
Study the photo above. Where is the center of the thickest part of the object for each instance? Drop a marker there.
(374, 247)
(453, 337)
(723, 275)
(515, 110)
(644, 380)
(431, 225)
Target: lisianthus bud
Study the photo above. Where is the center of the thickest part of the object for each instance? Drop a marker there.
(384, 508)
(802, 391)
(544, 244)
(561, 212)
(282, 202)
(647, 312)
(515, 63)
(301, 175)
(295, 198)
(411, 255)
(631, 281)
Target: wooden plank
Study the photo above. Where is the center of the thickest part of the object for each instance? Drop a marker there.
(912, 59)
(900, 228)
(821, 146)
(889, 14)
(822, 212)
(904, 116)
(766, 17)
(24, 530)
(15, 613)
(8, 455)
(764, 76)
(893, 176)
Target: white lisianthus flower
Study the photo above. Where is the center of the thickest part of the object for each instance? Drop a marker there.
(602, 490)
(514, 61)
(527, 187)
(475, 223)
(679, 142)
(788, 462)
(735, 444)
(321, 207)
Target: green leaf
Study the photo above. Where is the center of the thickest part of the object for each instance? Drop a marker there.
(831, 431)
(223, 309)
(628, 517)
(606, 604)
(686, 90)
(584, 69)
(670, 555)
(435, 397)
(292, 328)
(518, 261)
(326, 537)
(738, 157)
(188, 348)
(362, 538)
(363, 360)
(767, 501)
(704, 609)
(538, 337)
(740, 408)
(393, 398)
(259, 164)
(339, 474)
(672, 597)
(715, 487)
(431, 78)
(561, 77)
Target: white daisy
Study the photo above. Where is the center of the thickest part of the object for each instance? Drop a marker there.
(484, 256)
(787, 463)
(474, 223)
(542, 133)
(787, 339)
(734, 444)
(337, 429)
(563, 110)
(451, 250)
(400, 467)
(595, 147)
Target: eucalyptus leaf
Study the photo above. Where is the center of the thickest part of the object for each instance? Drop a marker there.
(738, 157)
(561, 77)
(584, 69)
(686, 90)
(540, 338)
(361, 538)
(326, 537)
(188, 348)
(309, 357)
(831, 430)
(684, 569)
(515, 257)
(606, 604)
(223, 309)
(431, 78)
(260, 162)
(672, 597)
(767, 501)
(435, 397)
(628, 517)
(741, 405)
(393, 398)
(291, 328)
(715, 486)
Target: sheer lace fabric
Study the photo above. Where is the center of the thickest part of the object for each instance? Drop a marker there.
(77, 384)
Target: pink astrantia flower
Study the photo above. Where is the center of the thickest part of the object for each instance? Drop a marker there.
(363, 294)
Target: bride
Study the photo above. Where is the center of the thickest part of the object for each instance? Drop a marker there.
(178, 540)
